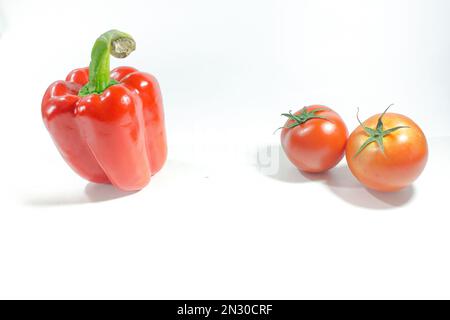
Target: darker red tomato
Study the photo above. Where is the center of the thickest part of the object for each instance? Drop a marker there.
(314, 138)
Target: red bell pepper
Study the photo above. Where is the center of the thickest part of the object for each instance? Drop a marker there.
(109, 127)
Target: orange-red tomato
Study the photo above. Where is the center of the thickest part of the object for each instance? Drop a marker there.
(314, 138)
(402, 161)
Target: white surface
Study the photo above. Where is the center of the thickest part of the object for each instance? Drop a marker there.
(225, 218)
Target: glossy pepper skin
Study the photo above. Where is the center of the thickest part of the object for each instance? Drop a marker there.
(110, 129)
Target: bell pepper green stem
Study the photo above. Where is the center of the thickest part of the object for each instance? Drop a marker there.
(114, 42)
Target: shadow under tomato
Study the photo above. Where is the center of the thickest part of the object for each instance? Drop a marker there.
(92, 193)
(273, 163)
(344, 185)
(339, 181)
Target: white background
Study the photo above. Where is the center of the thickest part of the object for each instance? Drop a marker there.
(228, 217)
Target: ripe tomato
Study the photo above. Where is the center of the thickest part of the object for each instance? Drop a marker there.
(387, 152)
(314, 138)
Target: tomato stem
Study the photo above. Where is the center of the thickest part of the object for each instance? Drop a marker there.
(302, 117)
(376, 135)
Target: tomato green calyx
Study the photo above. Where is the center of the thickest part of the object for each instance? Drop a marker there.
(377, 134)
(303, 117)
(115, 43)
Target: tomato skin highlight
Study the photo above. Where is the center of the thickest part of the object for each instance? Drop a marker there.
(404, 158)
(316, 145)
